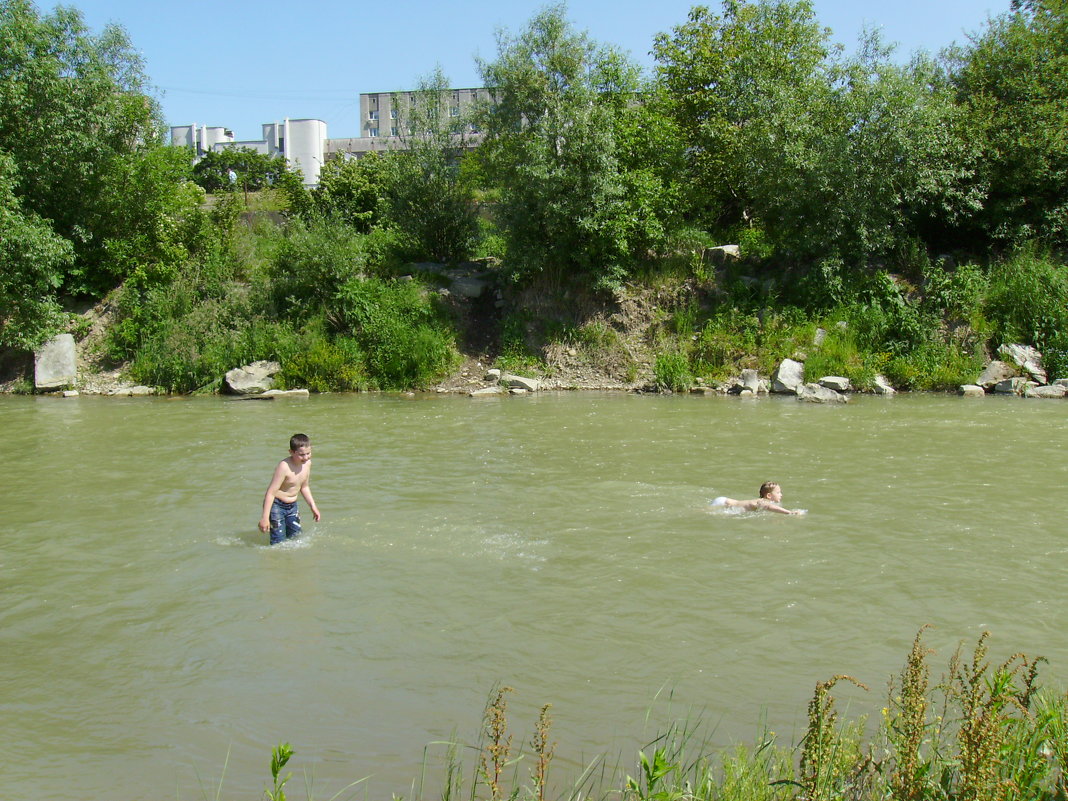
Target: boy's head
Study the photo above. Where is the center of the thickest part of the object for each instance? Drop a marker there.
(767, 488)
(298, 441)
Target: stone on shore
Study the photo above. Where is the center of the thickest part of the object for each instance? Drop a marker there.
(252, 379)
(287, 393)
(1026, 358)
(788, 378)
(994, 372)
(816, 393)
(485, 392)
(55, 363)
(1051, 391)
(972, 391)
(1016, 385)
(882, 386)
(136, 391)
(519, 382)
(836, 382)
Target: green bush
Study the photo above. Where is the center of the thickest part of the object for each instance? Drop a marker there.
(839, 355)
(672, 371)
(192, 352)
(322, 365)
(312, 263)
(408, 342)
(727, 338)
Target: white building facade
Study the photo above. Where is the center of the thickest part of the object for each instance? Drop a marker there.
(304, 143)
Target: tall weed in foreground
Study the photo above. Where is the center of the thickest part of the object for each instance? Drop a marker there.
(908, 728)
(498, 744)
(987, 700)
(280, 756)
(984, 733)
(830, 756)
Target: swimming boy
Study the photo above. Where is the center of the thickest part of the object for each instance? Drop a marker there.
(770, 498)
(291, 478)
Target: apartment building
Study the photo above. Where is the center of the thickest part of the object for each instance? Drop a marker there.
(384, 125)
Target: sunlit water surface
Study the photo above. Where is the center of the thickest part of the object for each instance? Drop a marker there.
(560, 544)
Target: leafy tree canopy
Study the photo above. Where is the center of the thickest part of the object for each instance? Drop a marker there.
(73, 106)
(559, 139)
(1013, 82)
(253, 171)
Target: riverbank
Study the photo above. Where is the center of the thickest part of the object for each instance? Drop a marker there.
(668, 333)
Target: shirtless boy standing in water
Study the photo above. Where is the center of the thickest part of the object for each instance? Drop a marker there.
(292, 477)
(770, 497)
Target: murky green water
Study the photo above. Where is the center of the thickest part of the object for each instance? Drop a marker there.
(561, 544)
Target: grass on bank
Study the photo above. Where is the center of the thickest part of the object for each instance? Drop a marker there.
(984, 732)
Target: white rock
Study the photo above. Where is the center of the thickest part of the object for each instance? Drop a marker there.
(836, 382)
(55, 363)
(882, 386)
(788, 378)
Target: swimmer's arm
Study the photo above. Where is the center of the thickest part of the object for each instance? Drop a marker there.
(269, 496)
(307, 493)
(774, 507)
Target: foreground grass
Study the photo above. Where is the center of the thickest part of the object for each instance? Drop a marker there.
(983, 732)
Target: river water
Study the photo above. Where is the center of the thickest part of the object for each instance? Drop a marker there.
(562, 544)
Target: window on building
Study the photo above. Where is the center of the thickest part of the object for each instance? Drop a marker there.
(372, 114)
(454, 111)
(393, 130)
(372, 132)
(393, 113)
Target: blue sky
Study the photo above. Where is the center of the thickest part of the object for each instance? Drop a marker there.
(239, 64)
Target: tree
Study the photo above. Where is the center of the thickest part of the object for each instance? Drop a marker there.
(832, 156)
(1013, 83)
(32, 259)
(559, 135)
(254, 171)
(73, 107)
(723, 74)
(351, 190)
(865, 165)
(428, 198)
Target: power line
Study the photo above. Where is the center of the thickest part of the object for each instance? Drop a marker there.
(258, 95)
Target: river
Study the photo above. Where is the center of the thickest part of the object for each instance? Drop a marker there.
(562, 544)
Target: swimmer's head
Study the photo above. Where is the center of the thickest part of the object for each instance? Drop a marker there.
(771, 491)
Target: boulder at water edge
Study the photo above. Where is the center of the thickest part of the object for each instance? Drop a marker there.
(55, 364)
(815, 393)
(994, 372)
(252, 379)
(520, 382)
(1051, 391)
(788, 377)
(972, 391)
(1026, 358)
(882, 386)
(836, 382)
(1016, 385)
